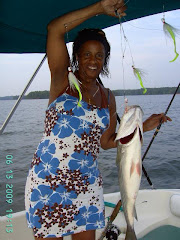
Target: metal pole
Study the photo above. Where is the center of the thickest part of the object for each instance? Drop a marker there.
(21, 96)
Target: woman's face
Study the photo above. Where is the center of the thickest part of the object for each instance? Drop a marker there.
(91, 59)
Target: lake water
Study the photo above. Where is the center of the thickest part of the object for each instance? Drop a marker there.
(25, 130)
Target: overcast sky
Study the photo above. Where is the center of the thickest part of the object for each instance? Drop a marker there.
(151, 52)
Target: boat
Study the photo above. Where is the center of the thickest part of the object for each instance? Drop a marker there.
(23, 30)
(158, 213)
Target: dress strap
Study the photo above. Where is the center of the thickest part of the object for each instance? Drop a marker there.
(108, 96)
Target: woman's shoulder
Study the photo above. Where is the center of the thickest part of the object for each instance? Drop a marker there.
(109, 97)
(107, 92)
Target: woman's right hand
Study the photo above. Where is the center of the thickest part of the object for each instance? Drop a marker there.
(110, 6)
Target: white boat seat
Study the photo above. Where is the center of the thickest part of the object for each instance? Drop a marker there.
(175, 204)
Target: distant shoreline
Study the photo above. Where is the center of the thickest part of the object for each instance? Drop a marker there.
(128, 92)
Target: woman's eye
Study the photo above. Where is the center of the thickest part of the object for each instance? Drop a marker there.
(99, 55)
(87, 54)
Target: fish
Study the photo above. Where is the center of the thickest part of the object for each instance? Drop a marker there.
(129, 142)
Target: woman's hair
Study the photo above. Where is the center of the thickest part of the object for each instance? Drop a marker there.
(91, 34)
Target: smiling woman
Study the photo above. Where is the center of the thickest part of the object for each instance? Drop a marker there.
(96, 35)
(90, 59)
(64, 193)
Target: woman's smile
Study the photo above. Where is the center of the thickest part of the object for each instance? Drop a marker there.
(91, 59)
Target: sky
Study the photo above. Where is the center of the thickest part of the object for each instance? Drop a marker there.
(146, 46)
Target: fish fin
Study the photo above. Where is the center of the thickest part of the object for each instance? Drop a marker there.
(130, 234)
(135, 214)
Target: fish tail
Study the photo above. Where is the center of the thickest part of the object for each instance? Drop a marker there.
(130, 234)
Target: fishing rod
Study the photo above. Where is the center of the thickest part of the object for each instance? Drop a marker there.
(153, 137)
(159, 126)
(21, 96)
(111, 219)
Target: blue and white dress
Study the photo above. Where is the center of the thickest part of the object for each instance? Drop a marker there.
(63, 193)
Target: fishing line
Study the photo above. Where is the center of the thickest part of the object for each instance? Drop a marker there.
(141, 28)
(128, 45)
(151, 29)
(122, 51)
(125, 3)
(138, 73)
(123, 54)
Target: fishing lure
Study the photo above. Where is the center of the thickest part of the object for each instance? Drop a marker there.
(170, 31)
(138, 73)
(73, 82)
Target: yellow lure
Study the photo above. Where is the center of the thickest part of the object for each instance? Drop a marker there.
(137, 73)
(73, 82)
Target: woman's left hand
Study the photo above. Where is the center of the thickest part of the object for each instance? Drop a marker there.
(110, 6)
(154, 120)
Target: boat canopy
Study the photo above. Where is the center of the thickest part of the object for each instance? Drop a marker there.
(23, 24)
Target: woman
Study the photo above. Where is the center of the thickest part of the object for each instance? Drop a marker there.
(64, 194)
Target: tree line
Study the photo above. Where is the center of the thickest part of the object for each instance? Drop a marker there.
(150, 91)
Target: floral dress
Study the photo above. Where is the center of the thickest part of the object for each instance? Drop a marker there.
(63, 193)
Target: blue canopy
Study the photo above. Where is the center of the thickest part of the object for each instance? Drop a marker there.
(23, 23)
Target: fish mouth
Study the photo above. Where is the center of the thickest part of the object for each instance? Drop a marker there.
(129, 137)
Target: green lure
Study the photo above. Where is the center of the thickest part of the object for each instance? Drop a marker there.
(170, 31)
(138, 73)
(73, 82)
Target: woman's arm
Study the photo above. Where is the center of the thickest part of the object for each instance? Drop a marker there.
(154, 120)
(58, 58)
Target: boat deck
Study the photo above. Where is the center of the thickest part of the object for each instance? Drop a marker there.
(154, 209)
